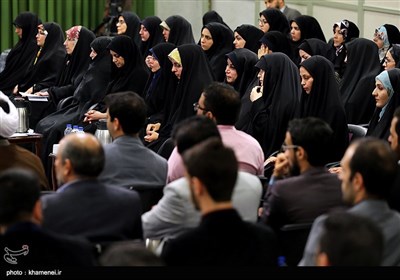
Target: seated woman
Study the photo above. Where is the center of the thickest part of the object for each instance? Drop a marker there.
(131, 75)
(343, 32)
(274, 41)
(129, 24)
(385, 37)
(76, 62)
(320, 98)
(177, 30)
(313, 46)
(274, 102)
(273, 20)
(150, 34)
(359, 80)
(216, 42)
(191, 67)
(240, 70)
(161, 85)
(247, 36)
(22, 54)
(301, 28)
(387, 99)
(91, 90)
(45, 67)
(392, 59)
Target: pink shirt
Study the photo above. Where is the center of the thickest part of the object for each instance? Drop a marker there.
(248, 152)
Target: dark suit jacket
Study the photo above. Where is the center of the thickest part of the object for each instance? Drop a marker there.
(291, 13)
(92, 210)
(223, 239)
(43, 248)
(300, 199)
(394, 197)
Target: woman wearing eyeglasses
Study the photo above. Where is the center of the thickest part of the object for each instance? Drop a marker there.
(392, 58)
(384, 37)
(129, 24)
(343, 31)
(273, 19)
(48, 61)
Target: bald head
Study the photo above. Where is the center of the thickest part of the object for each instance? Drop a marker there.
(84, 153)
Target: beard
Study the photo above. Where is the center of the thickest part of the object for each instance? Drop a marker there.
(295, 168)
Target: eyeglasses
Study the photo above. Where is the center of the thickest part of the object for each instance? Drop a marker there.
(262, 21)
(43, 32)
(379, 35)
(284, 148)
(196, 106)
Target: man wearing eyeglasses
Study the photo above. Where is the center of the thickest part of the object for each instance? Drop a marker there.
(302, 188)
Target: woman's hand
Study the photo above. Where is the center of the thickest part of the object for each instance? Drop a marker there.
(153, 127)
(93, 115)
(151, 136)
(256, 93)
(42, 93)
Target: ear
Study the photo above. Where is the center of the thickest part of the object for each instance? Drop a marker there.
(198, 187)
(358, 182)
(301, 153)
(37, 212)
(210, 115)
(116, 125)
(67, 167)
(322, 259)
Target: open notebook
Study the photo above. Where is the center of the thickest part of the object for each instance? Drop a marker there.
(32, 97)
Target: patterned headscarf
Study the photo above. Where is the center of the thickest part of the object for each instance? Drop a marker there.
(73, 32)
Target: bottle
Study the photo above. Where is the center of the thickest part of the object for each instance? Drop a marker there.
(68, 129)
(282, 261)
(80, 129)
(75, 129)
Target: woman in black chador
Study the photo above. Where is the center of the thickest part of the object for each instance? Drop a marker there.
(91, 90)
(22, 54)
(274, 102)
(321, 99)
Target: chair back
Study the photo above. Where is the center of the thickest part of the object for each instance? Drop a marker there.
(292, 241)
(149, 195)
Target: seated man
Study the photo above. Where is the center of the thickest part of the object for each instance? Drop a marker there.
(127, 161)
(350, 240)
(365, 186)
(308, 190)
(83, 206)
(175, 213)
(221, 103)
(13, 155)
(222, 237)
(394, 140)
(25, 242)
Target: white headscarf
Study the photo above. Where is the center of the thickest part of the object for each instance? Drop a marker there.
(8, 121)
